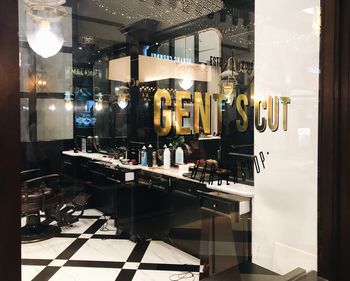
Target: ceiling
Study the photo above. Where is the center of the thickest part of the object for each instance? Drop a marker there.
(167, 12)
(107, 20)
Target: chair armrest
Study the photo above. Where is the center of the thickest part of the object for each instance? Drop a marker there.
(31, 174)
(43, 180)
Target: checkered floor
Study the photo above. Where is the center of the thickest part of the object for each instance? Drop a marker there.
(89, 250)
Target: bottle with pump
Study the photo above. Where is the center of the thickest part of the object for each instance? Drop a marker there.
(167, 158)
(179, 156)
(144, 156)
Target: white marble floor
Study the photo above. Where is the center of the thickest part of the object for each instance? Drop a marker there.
(85, 252)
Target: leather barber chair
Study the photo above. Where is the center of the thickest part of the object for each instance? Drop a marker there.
(45, 194)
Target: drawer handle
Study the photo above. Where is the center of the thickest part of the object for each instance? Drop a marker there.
(190, 190)
(113, 180)
(214, 205)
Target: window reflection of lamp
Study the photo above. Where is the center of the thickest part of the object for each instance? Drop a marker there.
(44, 29)
(98, 102)
(68, 101)
(41, 81)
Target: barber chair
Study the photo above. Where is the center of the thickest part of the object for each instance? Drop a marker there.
(45, 194)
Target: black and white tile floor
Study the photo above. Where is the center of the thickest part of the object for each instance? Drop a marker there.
(85, 252)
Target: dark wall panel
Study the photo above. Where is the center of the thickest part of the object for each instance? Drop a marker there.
(9, 143)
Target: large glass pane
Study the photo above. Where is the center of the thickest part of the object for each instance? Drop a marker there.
(169, 139)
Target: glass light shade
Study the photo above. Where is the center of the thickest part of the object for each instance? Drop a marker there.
(44, 29)
(228, 89)
(228, 74)
(186, 84)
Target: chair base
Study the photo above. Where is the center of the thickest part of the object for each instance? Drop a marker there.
(39, 232)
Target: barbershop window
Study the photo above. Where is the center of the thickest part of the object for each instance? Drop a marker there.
(180, 136)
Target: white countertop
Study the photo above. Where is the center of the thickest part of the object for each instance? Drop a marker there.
(232, 188)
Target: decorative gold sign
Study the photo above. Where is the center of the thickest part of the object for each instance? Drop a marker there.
(163, 121)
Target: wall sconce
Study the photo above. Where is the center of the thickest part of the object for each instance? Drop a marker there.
(44, 29)
(41, 81)
(99, 102)
(68, 101)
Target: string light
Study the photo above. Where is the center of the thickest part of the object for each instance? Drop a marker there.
(172, 11)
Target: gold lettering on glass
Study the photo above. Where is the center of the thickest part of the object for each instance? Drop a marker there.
(202, 112)
(242, 126)
(273, 113)
(181, 112)
(258, 105)
(162, 117)
(285, 101)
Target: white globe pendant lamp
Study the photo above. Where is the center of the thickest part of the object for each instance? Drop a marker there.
(44, 26)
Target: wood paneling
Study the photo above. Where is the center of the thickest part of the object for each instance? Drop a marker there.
(343, 59)
(9, 143)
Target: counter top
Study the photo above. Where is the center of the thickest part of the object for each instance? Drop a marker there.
(231, 188)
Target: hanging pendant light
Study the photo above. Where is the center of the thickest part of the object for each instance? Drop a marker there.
(44, 30)
(123, 96)
(186, 84)
(229, 81)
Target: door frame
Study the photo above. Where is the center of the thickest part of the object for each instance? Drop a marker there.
(334, 140)
(10, 207)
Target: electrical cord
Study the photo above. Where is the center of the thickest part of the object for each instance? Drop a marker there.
(183, 276)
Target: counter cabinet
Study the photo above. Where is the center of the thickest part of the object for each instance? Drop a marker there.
(182, 212)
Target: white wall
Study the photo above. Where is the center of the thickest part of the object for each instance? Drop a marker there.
(285, 202)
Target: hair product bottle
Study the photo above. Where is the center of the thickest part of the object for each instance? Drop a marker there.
(144, 156)
(179, 156)
(167, 158)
